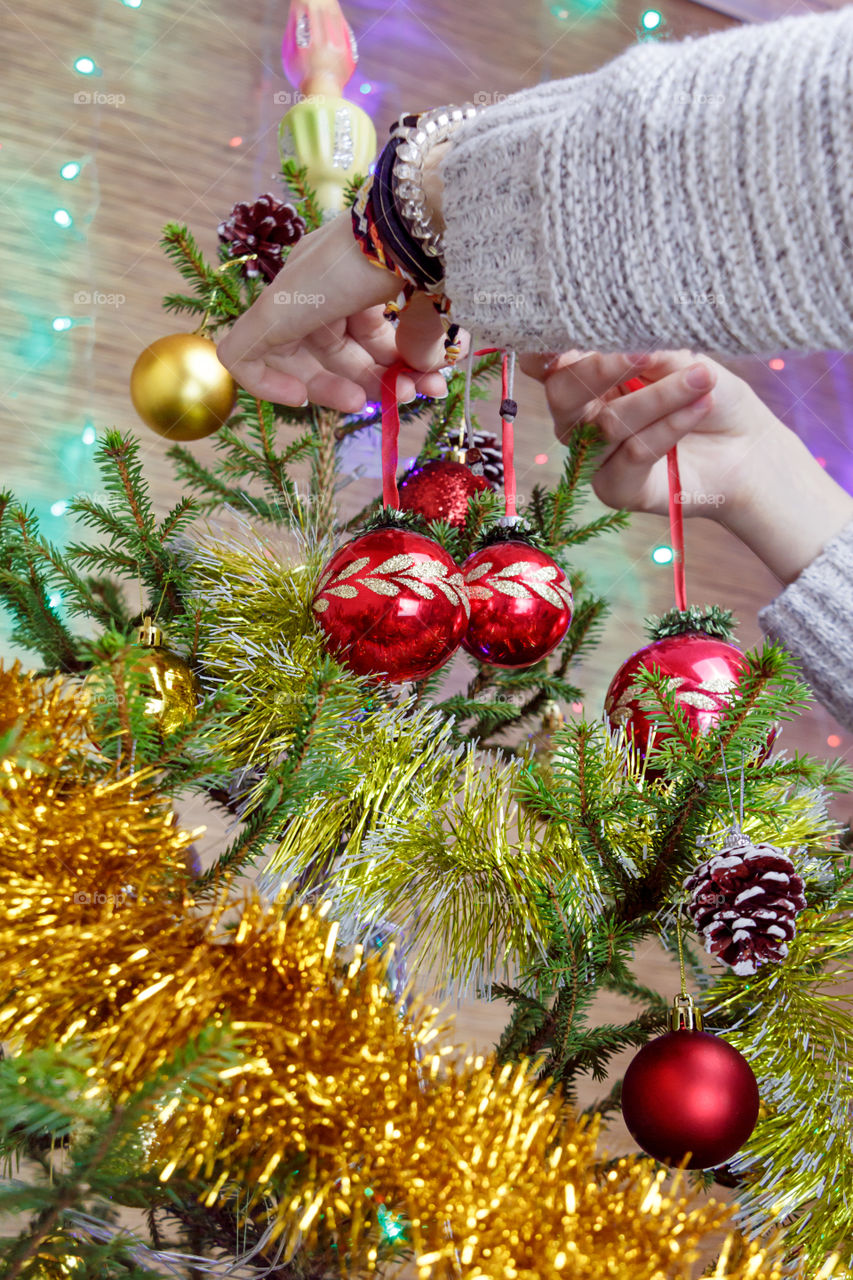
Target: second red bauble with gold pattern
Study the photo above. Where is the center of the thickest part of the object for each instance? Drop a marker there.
(521, 604)
(391, 604)
(702, 671)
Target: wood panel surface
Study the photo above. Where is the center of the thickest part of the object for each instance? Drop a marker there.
(181, 79)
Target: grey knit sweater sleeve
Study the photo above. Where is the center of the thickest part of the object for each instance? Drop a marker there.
(697, 193)
(813, 619)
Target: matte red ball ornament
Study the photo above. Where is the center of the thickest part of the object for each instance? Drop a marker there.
(440, 490)
(521, 604)
(703, 670)
(690, 1092)
(391, 604)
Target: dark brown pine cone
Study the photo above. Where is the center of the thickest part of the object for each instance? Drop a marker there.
(744, 901)
(266, 228)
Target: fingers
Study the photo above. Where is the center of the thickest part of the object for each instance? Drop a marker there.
(578, 384)
(630, 416)
(265, 382)
(420, 335)
(625, 478)
(542, 366)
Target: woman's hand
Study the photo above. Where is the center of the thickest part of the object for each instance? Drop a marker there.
(317, 332)
(715, 432)
(738, 463)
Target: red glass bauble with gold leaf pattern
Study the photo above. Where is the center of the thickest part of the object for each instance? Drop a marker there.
(391, 604)
(703, 672)
(440, 490)
(521, 604)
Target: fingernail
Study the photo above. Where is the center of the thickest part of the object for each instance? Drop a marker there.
(303, 404)
(698, 376)
(702, 405)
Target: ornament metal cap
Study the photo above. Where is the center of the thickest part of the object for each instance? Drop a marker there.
(149, 635)
(684, 1015)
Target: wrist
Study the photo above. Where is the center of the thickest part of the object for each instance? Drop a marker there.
(790, 509)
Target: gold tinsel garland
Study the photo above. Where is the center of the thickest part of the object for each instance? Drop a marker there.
(339, 1103)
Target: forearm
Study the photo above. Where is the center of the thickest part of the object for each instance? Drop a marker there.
(685, 194)
(791, 509)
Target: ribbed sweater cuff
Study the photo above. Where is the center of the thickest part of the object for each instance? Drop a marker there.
(812, 619)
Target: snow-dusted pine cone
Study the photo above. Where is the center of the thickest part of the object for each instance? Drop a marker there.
(744, 901)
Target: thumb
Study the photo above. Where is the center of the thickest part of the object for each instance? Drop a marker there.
(420, 334)
(541, 365)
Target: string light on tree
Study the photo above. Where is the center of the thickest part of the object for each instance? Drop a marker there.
(60, 323)
(651, 20)
(63, 218)
(70, 170)
(662, 555)
(86, 67)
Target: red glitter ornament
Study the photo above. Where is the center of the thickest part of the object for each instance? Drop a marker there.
(703, 671)
(391, 604)
(440, 490)
(521, 604)
(690, 1092)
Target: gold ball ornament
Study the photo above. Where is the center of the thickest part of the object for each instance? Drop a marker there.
(172, 688)
(552, 717)
(180, 389)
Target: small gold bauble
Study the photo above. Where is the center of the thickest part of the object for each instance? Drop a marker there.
(173, 689)
(552, 717)
(180, 389)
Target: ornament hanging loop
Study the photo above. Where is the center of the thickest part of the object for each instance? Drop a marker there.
(685, 1015)
(149, 634)
(203, 329)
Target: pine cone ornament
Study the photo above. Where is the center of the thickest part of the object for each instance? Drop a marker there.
(266, 228)
(486, 452)
(744, 901)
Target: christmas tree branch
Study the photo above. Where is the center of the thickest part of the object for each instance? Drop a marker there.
(296, 177)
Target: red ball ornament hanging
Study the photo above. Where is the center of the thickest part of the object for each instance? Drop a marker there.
(440, 490)
(692, 649)
(391, 604)
(521, 604)
(690, 1094)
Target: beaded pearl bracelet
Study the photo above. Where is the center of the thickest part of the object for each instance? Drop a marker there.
(416, 140)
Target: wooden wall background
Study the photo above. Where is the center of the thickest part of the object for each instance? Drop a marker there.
(181, 123)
